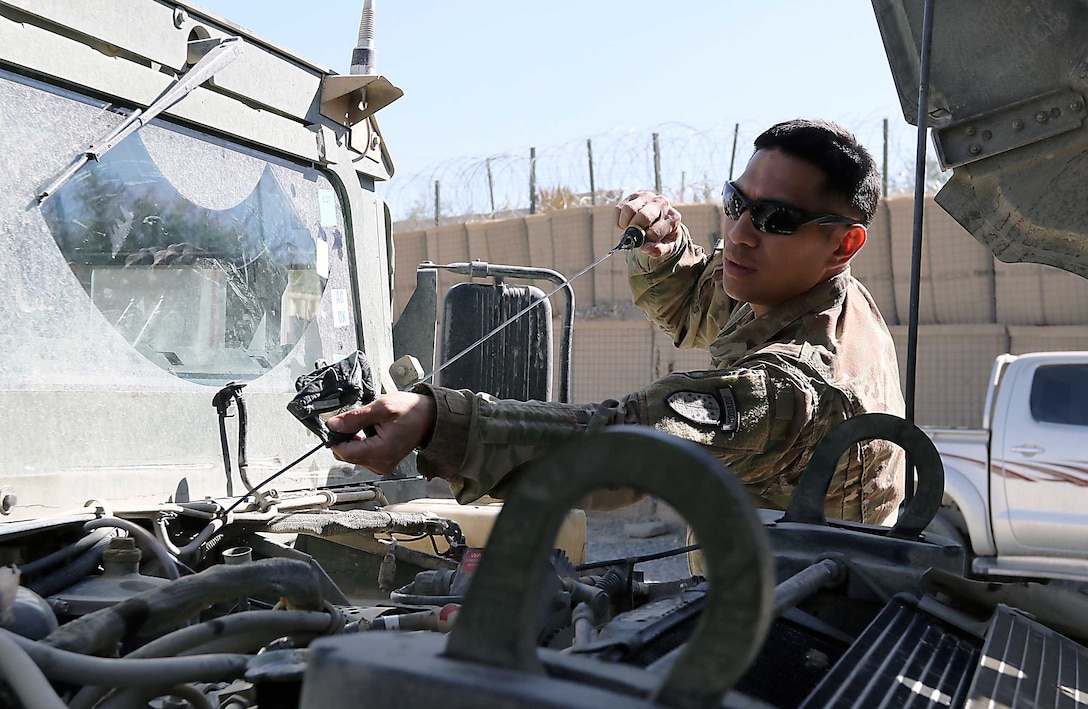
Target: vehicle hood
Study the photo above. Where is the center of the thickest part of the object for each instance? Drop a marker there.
(1006, 108)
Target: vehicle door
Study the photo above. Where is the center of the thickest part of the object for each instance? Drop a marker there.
(1039, 458)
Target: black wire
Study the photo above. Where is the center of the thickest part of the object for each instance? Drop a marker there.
(637, 559)
(275, 475)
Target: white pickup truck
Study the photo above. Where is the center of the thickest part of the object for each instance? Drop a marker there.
(1016, 491)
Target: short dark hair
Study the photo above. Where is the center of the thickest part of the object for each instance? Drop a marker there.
(850, 170)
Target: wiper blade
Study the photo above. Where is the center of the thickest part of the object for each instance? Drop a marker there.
(221, 53)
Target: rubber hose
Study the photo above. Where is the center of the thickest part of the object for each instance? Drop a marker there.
(199, 514)
(48, 562)
(167, 561)
(65, 666)
(163, 609)
(612, 583)
(210, 506)
(139, 698)
(65, 576)
(24, 677)
(205, 534)
(249, 630)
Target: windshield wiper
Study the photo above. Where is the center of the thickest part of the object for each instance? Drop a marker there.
(218, 56)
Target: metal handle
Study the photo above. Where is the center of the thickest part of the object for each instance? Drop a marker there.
(807, 504)
(497, 620)
(1028, 449)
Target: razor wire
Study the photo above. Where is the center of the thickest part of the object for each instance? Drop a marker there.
(692, 164)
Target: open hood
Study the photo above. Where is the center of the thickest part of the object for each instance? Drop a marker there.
(1007, 107)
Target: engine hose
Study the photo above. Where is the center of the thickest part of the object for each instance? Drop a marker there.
(136, 698)
(255, 628)
(198, 513)
(202, 505)
(75, 668)
(245, 631)
(25, 679)
(65, 576)
(163, 609)
(48, 562)
(612, 582)
(199, 543)
(141, 534)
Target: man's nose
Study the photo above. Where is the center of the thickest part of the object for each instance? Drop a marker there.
(742, 231)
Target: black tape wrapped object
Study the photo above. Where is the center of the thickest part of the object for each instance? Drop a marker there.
(331, 390)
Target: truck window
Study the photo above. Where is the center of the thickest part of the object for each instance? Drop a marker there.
(1059, 394)
(208, 258)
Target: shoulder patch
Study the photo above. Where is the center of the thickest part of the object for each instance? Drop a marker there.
(705, 409)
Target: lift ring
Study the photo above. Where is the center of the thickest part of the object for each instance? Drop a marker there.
(807, 505)
(496, 623)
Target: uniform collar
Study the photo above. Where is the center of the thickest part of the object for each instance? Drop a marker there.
(744, 331)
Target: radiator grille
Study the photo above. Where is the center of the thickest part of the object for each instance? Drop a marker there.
(905, 658)
(1025, 664)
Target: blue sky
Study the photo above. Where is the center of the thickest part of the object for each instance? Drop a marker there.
(484, 77)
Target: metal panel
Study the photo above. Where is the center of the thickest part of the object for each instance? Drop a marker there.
(264, 77)
(37, 50)
(1006, 98)
(110, 23)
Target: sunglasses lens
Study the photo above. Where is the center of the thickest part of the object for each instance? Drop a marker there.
(776, 219)
(734, 205)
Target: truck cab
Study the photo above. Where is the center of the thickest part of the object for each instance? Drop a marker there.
(1016, 488)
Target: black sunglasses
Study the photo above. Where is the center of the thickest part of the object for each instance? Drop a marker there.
(774, 217)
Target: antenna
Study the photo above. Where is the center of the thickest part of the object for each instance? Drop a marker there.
(364, 58)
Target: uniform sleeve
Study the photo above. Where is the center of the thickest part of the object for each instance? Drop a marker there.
(745, 416)
(680, 292)
(480, 441)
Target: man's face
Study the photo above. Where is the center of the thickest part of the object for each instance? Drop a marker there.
(768, 269)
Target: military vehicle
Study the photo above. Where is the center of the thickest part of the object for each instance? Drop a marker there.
(197, 269)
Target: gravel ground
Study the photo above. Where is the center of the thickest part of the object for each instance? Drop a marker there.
(607, 537)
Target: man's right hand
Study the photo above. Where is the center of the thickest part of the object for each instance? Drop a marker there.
(653, 213)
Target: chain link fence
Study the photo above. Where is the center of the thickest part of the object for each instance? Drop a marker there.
(686, 163)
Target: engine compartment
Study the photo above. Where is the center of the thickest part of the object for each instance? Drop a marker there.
(259, 607)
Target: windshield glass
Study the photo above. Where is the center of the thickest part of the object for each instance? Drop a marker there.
(209, 260)
(208, 294)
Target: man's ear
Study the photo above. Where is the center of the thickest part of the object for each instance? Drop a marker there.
(851, 242)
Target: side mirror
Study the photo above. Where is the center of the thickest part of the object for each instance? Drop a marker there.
(516, 361)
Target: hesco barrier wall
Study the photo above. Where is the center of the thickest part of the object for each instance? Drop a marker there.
(972, 307)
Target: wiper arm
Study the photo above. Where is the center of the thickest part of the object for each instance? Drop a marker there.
(220, 55)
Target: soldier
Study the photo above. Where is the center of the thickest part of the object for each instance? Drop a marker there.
(797, 345)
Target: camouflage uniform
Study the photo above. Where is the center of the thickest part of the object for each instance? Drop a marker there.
(779, 383)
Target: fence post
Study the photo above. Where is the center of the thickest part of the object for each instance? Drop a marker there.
(657, 166)
(532, 180)
(592, 185)
(683, 180)
(490, 186)
(437, 202)
(884, 172)
(733, 156)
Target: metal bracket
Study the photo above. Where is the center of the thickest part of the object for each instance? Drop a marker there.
(354, 98)
(1009, 127)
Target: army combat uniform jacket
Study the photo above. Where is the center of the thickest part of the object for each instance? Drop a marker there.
(778, 383)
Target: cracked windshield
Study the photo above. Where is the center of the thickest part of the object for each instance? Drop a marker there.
(198, 254)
